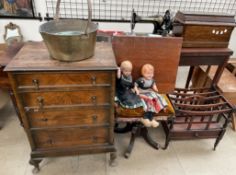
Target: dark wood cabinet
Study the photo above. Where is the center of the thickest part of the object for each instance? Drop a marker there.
(66, 107)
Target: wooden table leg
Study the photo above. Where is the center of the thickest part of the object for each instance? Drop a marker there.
(190, 74)
(219, 71)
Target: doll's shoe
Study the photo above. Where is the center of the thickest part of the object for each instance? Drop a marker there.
(146, 122)
(154, 123)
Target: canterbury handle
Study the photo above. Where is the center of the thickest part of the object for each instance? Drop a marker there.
(196, 134)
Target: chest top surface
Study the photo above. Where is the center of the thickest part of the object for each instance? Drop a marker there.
(34, 56)
(193, 18)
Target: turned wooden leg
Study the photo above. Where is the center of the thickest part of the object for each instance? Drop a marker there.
(167, 142)
(125, 129)
(148, 139)
(219, 139)
(190, 74)
(113, 157)
(134, 133)
(35, 163)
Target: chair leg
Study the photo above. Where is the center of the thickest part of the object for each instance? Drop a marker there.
(148, 139)
(167, 133)
(167, 141)
(139, 130)
(134, 133)
(124, 129)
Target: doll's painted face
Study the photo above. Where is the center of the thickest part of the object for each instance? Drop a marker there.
(148, 71)
(148, 74)
(126, 72)
(126, 68)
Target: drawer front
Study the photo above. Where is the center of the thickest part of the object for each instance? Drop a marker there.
(70, 137)
(39, 80)
(84, 116)
(194, 134)
(87, 97)
(207, 33)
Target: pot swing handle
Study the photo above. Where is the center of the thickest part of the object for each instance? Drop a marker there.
(56, 17)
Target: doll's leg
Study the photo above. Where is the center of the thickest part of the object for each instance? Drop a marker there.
(146, 120)
(154, 123)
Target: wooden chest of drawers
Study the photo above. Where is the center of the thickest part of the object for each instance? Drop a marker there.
(66, 108)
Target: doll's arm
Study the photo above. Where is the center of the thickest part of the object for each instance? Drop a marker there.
(154, 87)
(136, 88)
(118, 73)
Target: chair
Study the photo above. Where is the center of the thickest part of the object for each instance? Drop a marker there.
(163, 54)
(200, 113)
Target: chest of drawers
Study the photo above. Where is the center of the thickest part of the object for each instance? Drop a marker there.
(66, 108)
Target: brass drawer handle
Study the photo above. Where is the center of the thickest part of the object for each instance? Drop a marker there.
(49, 141)
(93, 79)
(196, 134)
(40, 102)
(36, 83)
(95, 117)
(94, 99)
(95, 139)
(44, 119)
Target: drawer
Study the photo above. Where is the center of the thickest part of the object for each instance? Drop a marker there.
(194, 134)
(70, 137)
(83, 97)
(83, 116)
(46, 79)
(207, 33)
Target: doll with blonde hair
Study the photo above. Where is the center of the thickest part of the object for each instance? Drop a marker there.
(146, 88)
(125, 93)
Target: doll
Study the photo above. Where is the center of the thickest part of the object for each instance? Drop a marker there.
(125, 94)
(146, 88)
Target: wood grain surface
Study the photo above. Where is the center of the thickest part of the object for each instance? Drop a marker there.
(35, 57)
(162, 53)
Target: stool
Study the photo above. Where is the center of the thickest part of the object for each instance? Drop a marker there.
(132, 119)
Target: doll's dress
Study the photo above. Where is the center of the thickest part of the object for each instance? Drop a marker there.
(124, 94)
(154, 101)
